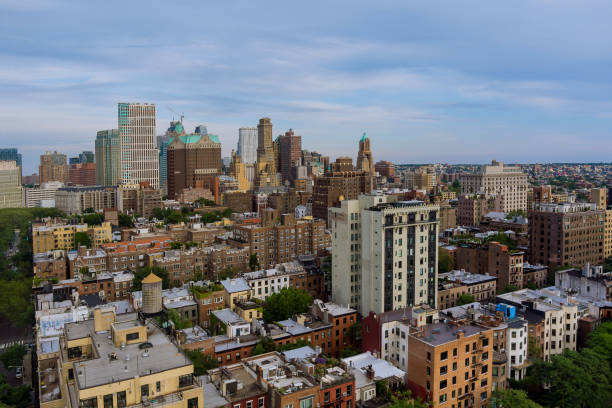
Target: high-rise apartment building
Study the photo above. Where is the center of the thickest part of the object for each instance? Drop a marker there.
(193, 161)
(53, 167)
(10, 154)
(345, 224)
(247, 144)
(384, 253)
(567, 234)
(365, 162)
(290, 154)
(82, 174)
(507, 183)
(139, 159)
(10, 184)
(107, 157)
(175, 129)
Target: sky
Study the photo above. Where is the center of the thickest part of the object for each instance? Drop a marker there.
(429, 81)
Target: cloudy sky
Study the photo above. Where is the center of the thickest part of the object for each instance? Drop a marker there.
(429, 81)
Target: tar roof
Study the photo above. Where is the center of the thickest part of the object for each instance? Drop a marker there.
(437, 334)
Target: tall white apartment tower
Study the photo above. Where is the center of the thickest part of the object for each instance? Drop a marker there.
(247, 144)
(384, 253)
(139, 158)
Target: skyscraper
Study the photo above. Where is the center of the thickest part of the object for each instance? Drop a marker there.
(139, 158)
(53, 167)
(247, 144)
(266, 160)
(86, 157)
(193, 161)
(365, 161)
(11, 154)
(176, 128)
(290, 153)
(10, 184)
(107, 157)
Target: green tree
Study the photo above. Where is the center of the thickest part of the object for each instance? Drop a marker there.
(179, 321)
(174, 217)
(403, 399)
(445, 262)
(531, 285)
(126, 220)
(253, 262)
(93, 219)
(82, 239)
(465, 298)
(286, 303)
(266, 345)
(201, 362)
(176, 245)
(143, 272)
(17, 397)
(512, 399)
(508, 288)
(13, 356)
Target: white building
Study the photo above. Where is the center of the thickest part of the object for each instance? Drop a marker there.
(516, 348)
(38, 196)
(10, 185)
(507, 183)
(247, 144)
(235, 325)
(138, 157)
(590, 281)
(266, 282)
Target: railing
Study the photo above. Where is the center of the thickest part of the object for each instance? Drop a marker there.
(161, 401)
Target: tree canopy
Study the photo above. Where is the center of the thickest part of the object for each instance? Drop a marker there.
(126, 220)
(465, 298)
(253, 262)
(82, 239)
(445, 262)
(286, 303)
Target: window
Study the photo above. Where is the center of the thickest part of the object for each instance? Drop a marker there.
(132, 336)
(444, 355)
(121, 400)
(442, 398)
(158, 386)
(185, 380)
(74, 352)
(349, 390)
(249, 404)
(192, 402)
(442, 384)
(327, 396)
(307, 402)
(443, 370)
(144, 390)
(89, 403)
(338, 393)
(108, 401)
(261, 402)
(455, 352)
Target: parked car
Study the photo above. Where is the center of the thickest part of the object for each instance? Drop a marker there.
(19, 372)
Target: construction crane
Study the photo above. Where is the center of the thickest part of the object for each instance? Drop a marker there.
(181, 115)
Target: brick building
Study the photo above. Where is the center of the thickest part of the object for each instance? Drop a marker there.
(493, 258)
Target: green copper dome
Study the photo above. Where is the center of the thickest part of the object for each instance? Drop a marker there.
(178, 128)
(363, 137)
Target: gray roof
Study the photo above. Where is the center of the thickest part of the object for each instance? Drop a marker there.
(235, 285)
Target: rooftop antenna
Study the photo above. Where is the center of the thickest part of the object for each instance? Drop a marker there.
(181, 115)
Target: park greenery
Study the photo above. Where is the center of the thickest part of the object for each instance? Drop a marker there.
(14, 397)
(171, 216)
(286, 303)
(574, 378)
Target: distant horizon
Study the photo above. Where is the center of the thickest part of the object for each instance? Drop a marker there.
(522, 82)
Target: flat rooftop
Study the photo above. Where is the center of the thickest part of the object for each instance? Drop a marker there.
(131, 361)
(437, 334)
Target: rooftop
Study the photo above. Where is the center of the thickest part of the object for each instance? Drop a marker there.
(382, 369)
(235, 285)
(436, 334)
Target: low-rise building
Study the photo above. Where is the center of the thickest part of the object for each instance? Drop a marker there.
(536, 275)
(482, 287)
(50, 266)
(495, 259)
(589, 281)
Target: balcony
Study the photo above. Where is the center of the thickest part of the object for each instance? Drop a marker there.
(161, 401)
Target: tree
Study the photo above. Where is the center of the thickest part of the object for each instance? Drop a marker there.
(126, 220)
(201, 362)
(174, 217)
(82, 239)
(403, 399)
(512, 398)
(465, 298)
(531, 285)
(179, 321)
(143, 272)
(253, 262)
(266, 345)
(176, 245)
(17, 397)
(445, 262)
(13, 356)
(286, 303)
(508, 288)
(93, 219)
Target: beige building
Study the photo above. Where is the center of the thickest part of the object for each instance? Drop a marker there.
(75, 200)
(61, 236)
(116, 361)
(599, 196)
(508, 183)
(53, 167)
(420, 179)
(10, 185)
(138, 157)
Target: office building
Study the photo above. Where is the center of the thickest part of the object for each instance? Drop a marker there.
(175, 129)
(11, 154)
(290, 154)
(247, 144)
(386, 252)
(107, 157)
(365, 162)
(266, 166)
(508, 183)
(82, 174)
(53, 167)
(567, 234)
(193, 161)
(10, 185)
(139, 158)
(75, 200)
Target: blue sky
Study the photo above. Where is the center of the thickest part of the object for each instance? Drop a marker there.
(434, 81)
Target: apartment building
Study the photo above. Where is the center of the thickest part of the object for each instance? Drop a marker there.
(494, 259)
(53, 167)
(553, 322)
(589, 281)
(284, 242)
(209, 297)
(54, 236)
(568, 234)
(482, 287)
(399, 252)
(75, 200)
(137, 365)
(50, 266)
(138, 199)
(535, 275)
(471, 209)
(451, 364)
(132, 255)
(267, 282)
(507, 183)
(10, 185)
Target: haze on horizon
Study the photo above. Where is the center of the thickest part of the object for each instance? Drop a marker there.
(525, 81)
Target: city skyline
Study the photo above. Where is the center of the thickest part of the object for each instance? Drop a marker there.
(427, 82)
